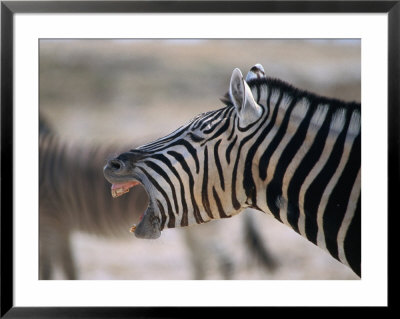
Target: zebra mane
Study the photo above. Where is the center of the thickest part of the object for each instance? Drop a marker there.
(274, 83)
(277, 84)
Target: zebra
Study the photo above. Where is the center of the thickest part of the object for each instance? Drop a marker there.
(273, 147)
(74, 196)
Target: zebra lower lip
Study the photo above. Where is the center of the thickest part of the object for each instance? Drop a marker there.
(122, 188)
(149, 225)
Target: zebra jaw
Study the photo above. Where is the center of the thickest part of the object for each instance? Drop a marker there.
(122, 188)
(149, 224)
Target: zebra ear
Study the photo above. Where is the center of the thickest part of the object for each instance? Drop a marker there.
(256, 72)
(242, 98)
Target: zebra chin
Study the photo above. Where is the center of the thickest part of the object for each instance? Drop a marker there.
(149, 227)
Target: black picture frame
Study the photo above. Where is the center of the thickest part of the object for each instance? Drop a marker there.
(9, 8)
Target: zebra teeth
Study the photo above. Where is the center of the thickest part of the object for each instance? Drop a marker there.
(122, 188)
(132, 229)
(119, 191)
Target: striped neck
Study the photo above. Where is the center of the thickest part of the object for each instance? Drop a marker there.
(303, 164)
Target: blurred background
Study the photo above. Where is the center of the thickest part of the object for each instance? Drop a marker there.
(106, 92)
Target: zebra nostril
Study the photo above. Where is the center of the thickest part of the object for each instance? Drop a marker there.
(115, 165)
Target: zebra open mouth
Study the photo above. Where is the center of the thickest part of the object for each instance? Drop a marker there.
(149, 224)
(123, 177)
(122, 188)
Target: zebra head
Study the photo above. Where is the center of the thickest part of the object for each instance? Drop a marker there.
(191, 175)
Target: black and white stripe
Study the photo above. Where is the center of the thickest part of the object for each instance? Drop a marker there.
(74, 196)
(273, 147)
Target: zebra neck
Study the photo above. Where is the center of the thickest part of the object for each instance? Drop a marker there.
(305, 169)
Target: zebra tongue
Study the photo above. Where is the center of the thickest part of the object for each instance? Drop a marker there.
(122, 188)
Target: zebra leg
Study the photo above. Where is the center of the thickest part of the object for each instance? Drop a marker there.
(54, 247)
(45, 265)
(196, 254)
(208, 252)
(66, 258)
(225, 263)
(47, 257)
(256, 243)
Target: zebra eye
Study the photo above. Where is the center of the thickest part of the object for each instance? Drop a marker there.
(194, 137)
